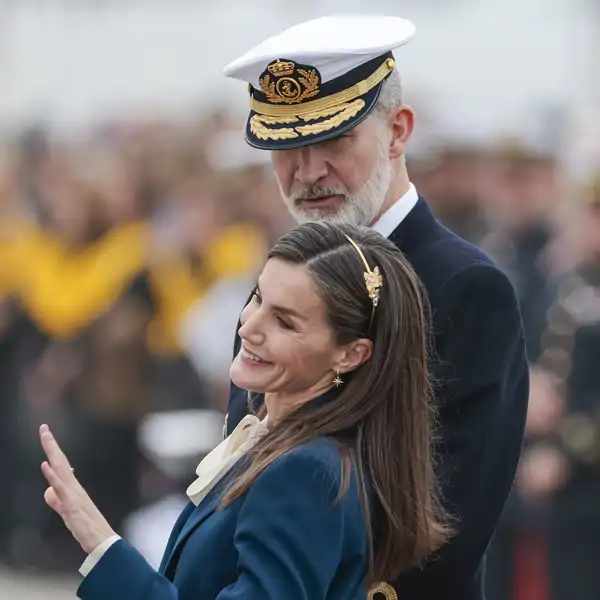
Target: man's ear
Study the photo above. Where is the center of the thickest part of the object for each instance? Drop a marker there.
(401, 123)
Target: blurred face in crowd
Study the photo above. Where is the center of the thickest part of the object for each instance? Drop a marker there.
(342, 180)
(522, 193)
(288, 348)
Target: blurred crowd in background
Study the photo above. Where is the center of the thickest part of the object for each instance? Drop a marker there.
(126, 254)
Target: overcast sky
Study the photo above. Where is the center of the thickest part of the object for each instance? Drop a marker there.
(482, 65)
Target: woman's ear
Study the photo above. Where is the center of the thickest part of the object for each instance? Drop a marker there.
(353, 355)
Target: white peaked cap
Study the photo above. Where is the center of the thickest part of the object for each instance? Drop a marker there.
(317, 79)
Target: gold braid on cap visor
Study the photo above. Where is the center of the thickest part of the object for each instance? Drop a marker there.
(373, 278)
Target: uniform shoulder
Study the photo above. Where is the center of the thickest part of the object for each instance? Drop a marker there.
(457, 254)
(445, 257)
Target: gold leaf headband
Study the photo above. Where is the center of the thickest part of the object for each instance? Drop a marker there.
(373, 278)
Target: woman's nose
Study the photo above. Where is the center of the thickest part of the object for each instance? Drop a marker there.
(251, 326)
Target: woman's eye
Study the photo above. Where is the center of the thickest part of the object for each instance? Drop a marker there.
(284, 323)
(256, 297)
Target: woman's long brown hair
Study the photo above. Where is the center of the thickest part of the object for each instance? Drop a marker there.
(383, 419)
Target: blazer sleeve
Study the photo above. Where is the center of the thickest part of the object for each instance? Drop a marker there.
(483, 377)
(122, 573)
(290, 533)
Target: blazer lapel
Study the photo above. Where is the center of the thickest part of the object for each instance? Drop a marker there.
(179, 524)
(199, 514)
(196, 516)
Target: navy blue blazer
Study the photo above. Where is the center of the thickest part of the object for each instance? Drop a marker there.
(480, 368)
(287, 538)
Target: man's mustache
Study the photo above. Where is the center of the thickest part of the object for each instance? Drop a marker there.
(313, 192)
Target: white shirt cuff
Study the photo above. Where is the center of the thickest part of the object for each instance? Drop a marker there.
(92, 560)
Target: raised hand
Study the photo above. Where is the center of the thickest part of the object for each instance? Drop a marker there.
(67, 497)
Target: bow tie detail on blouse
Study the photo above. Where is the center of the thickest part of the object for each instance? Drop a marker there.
(212, 468)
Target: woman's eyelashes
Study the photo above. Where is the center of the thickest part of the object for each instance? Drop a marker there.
(283, 322)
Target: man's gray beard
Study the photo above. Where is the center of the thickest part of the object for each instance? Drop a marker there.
(359, 209)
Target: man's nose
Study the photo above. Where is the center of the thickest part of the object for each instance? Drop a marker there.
(310, 167)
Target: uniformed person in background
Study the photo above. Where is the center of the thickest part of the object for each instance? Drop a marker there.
(454, 191)
(561, 466)
(520, 199)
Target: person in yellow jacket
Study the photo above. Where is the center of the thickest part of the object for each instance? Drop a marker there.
(64, 291)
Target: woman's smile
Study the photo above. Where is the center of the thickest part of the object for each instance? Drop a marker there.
(251, 359)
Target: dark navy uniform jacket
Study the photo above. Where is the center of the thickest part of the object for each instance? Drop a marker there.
(481, 372)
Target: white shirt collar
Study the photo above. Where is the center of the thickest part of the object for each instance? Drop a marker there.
(394, 215)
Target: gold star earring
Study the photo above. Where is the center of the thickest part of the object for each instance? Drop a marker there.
(338, 380)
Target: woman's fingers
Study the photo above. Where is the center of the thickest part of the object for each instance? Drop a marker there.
(66, 496)
(55, 482)
(52, 501)
(53, 494)
(56, 457)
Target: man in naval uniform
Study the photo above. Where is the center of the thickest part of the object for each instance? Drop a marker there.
(325, 100)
